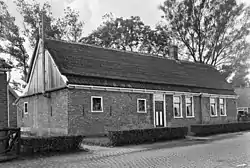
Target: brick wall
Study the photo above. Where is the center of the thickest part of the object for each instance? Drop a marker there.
(3, 101)
(230, 109)
(45, 115)
(120, 112)
(200, 104)
(12, 110)
(173, 122)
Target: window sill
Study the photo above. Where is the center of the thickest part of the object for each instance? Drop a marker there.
(178, 117)
(213, 115)
(142, 112)
(223, 115)
(96, 111)
(190, 117)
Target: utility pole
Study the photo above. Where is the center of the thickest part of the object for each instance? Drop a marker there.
(43, 52)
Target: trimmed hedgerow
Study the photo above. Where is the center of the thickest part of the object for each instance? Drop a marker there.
(139, 136)
(50, 144)
(210, 129)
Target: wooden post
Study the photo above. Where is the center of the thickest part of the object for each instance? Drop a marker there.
(19, 141)
(43, 51)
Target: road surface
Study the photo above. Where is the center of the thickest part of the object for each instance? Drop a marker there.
(227, 153)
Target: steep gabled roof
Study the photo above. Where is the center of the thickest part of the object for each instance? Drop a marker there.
(84, 60)
(32, 59)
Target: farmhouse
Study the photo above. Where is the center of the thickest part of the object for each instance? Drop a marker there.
(82, 89)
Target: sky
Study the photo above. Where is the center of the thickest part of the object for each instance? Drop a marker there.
(91, 12)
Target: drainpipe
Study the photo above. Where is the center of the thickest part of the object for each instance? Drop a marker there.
(201, 109)
(8, 98)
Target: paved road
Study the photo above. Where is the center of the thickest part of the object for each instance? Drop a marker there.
(227, 153)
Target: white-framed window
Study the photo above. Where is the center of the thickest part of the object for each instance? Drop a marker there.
(96, 104)
(213, 107)
(25, 107)
(141, 106)
(189, 106)
(222, 102)
(242, 110)
(177, 107)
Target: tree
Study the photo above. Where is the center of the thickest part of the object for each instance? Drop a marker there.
(119, 33)
(239, 79)
(129, 34)
(211, 31)
(68, 27)
(12, 42)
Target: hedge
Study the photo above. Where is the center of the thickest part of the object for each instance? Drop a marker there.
(139, 136)
(51, 144)
(210, 129)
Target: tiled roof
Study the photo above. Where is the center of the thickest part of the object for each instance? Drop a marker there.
(4, 65)
(84, 60)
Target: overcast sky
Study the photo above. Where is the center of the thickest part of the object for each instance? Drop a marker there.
(91, 11)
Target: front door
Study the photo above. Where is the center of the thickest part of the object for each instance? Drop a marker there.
(159, 113)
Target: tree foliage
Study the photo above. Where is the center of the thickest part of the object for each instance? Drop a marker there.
(68, 27)
(129, 34)
(12, 42)
(212, 31)
(239, 79)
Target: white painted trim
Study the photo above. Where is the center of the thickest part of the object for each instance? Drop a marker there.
(26, 89)
(25, 112)
(154, 110)
(146, 91)
(164, 110)
(219, 96)
(145, 100)
(192, 100)
(216, 106)
(225, 107)
(92, 97)
(181, 111)
(32, 68)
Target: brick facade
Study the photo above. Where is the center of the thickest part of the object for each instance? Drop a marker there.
(3, 100)
(120, 112)
(70, 112)
(12, 110)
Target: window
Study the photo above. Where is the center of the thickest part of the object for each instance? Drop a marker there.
(222, 107)
(25, 107)
(189, 107)
(96, 104)
(213, 109)
(141, 106)
(177, 107)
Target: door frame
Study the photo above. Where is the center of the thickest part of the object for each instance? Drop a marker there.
(164, 109)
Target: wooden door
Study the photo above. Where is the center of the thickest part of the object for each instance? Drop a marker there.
(159, 114)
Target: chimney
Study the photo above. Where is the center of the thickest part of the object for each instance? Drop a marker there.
(173, 51)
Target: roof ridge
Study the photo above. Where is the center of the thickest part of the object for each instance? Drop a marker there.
(130, 52)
